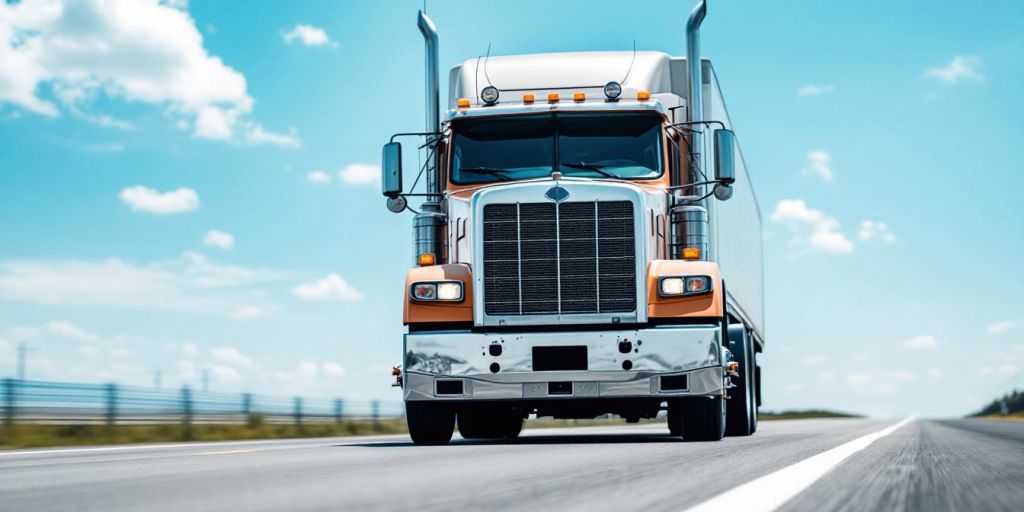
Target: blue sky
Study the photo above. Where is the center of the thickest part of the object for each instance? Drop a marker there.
(192, 185)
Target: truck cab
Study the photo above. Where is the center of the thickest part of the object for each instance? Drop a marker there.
(579, 225)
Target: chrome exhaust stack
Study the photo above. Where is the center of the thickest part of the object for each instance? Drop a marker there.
(695, 78)
(429, 222)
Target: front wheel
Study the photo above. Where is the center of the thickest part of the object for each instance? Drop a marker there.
(430, 423)
(741, 419)
(698, 418)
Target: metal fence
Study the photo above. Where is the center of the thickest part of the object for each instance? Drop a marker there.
(69, 403)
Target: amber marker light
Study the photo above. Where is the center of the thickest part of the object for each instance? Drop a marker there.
(528, 98)
(426, 259)
(579, 97)
(643, 95)
(463, 103)
(691, 253)
(553, 97)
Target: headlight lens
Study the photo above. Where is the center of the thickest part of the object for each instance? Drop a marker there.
(675, 286)
(430, 291)
(612, 90)
(489, 95)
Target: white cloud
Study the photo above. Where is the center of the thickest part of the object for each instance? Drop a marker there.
(997, 328)
(333, 370)
(220, 239)
(191, 283)
(225, 374)
(330, 287)
(248, 312)
(308, 35)
(819, 163)
(935, 373)
(232, 356)
(145, 199)
(921, 342)
(821, 231)
(959, 69)
(318, 177)
(70, 331)
(141, 51)
(871, 229)
(814, 90)
(360, 174)
(190, 350)
(1003, 370)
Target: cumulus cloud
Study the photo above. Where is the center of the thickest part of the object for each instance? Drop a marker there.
(231, 356)
(147, 200)
(190, 350)
(997, 328)
(225, 374)
(814, 90)
(810, 227)
(819, 163)
(308, 35)
(360, 174)
(921, 342)
(1003, 370)
(961, 68)
(58, 55)
(871, 229)
(318, 177)
(191, 283)
(70, 331)
(330, 287)
(249, 312)
(215, 238)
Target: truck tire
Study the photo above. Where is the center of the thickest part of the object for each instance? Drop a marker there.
(741, 409)
(488, 424)
(698, 418)
(430, 423)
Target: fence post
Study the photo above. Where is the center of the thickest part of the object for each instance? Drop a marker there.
(246, 405)
(111, 404)
(8, 402)
(298, 411)
(186, 411)
(375, 413)
(339, 407)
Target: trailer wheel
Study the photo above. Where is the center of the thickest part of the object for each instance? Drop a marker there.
(490, 424)
(430, 423)
(741, 418)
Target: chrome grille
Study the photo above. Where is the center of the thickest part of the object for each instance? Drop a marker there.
(566, 258)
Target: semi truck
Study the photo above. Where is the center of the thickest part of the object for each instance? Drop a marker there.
(587, 242)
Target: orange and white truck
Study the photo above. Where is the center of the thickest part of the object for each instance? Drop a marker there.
(587, 242)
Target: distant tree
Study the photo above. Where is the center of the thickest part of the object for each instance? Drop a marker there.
(1010, 403)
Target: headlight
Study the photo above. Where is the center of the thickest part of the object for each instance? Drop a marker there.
(681, 286)
(431, 291)
(612, 91)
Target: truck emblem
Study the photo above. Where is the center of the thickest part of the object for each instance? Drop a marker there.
(557, 194)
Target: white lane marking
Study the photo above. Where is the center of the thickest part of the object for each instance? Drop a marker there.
(774, 489)
(228, 452)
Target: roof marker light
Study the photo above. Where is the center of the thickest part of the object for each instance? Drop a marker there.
(643, 96)
(612, 91)
(553, 97)
(579, 97)
(489, 95)
(463, 103)
(528, 98)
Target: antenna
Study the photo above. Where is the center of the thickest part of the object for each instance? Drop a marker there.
(485, 64)
(476, 79)
(630, 63)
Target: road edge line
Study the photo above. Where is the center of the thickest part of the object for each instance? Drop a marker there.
(769, 492)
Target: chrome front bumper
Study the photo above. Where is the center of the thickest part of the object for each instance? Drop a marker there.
(693, 351)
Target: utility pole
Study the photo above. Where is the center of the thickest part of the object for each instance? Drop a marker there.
(22, 350)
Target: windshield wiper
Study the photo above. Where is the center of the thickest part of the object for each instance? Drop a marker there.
(590, 167)
(492, 171)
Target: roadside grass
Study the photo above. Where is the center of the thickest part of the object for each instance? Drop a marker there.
(35, 436)
(1017, 416)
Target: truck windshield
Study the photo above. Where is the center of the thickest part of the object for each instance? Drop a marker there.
(619, 145)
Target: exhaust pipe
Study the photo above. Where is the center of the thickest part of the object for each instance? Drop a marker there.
(429, 222)
(695, 76)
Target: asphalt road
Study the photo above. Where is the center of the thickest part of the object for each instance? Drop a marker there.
(796, 465)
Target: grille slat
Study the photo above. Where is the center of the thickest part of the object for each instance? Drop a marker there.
(570, 258)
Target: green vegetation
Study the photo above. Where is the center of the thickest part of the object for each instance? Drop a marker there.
(31, 435)
(803, 415)
(1014, 402)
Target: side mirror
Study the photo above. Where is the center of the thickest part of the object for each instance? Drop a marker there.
(725, 156)
(391, 170)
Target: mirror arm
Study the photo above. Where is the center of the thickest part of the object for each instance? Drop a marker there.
(691, 123)
(410, 134)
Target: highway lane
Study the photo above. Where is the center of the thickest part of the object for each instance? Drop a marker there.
(924, 465)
